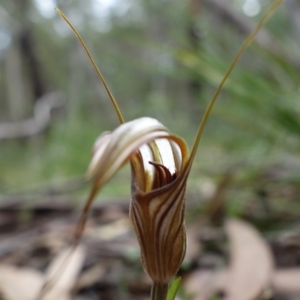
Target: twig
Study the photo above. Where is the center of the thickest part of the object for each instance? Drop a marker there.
(33, 126)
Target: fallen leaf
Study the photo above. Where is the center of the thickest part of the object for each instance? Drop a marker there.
(251, 265)
(67, 273)
(287, 281)
(19, 283)
(91, 276)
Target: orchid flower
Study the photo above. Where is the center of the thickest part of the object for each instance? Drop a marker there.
(160, 165)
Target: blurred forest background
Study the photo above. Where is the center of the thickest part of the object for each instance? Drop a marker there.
(164, 59)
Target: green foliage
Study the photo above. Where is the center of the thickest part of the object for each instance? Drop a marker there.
(173, 288)
(148, 60)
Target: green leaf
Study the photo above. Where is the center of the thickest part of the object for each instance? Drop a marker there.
(173, 289)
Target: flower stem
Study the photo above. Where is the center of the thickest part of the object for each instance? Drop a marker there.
(159, 291)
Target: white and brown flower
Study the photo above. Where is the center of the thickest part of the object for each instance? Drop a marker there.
(159, 164)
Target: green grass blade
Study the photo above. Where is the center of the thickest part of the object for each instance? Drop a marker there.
(173, 289)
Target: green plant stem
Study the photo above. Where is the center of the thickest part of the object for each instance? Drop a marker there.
(159, 291)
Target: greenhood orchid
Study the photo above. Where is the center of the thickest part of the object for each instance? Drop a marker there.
(160, 165)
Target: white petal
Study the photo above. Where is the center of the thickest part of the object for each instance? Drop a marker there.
(166, 154)
(147, 156)
(114, 149)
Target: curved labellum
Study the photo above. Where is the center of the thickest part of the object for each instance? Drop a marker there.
(113, 149)
(159, 173)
